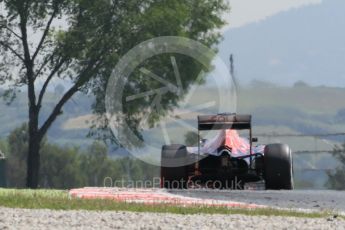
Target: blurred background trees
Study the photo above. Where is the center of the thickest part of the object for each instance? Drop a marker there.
(78, 42)
(337, 177)
(70, 166)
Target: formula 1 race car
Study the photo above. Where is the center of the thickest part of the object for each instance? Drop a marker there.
(227, 159)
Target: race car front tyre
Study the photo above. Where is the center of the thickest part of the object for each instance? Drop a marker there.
(278, 167)
(174, 174)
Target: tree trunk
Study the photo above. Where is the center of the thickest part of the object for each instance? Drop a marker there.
(33, 163)
(33, 158)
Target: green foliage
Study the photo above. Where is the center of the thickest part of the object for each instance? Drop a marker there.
(60, 167)
(300, 84)
(96, 166)
(70, 167)
(16, 156)
(336, 179)
(191, 138)
(59, 200)
(193, 19)
(4, 147)
(84, 52)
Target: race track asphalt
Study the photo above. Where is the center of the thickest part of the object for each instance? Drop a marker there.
(320, 200)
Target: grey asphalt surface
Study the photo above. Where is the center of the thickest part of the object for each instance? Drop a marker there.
(321, 200)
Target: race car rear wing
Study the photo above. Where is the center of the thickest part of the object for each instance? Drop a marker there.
(224, 121)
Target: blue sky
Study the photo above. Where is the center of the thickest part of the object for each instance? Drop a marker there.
(285, 43)
(248, 11)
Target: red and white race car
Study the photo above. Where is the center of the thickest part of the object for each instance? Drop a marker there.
(226, 161)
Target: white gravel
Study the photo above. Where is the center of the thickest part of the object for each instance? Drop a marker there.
(48, 219)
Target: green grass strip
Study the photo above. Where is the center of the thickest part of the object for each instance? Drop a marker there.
(60, 200)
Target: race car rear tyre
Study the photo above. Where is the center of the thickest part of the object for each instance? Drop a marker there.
(174, 174)
(278, 167)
